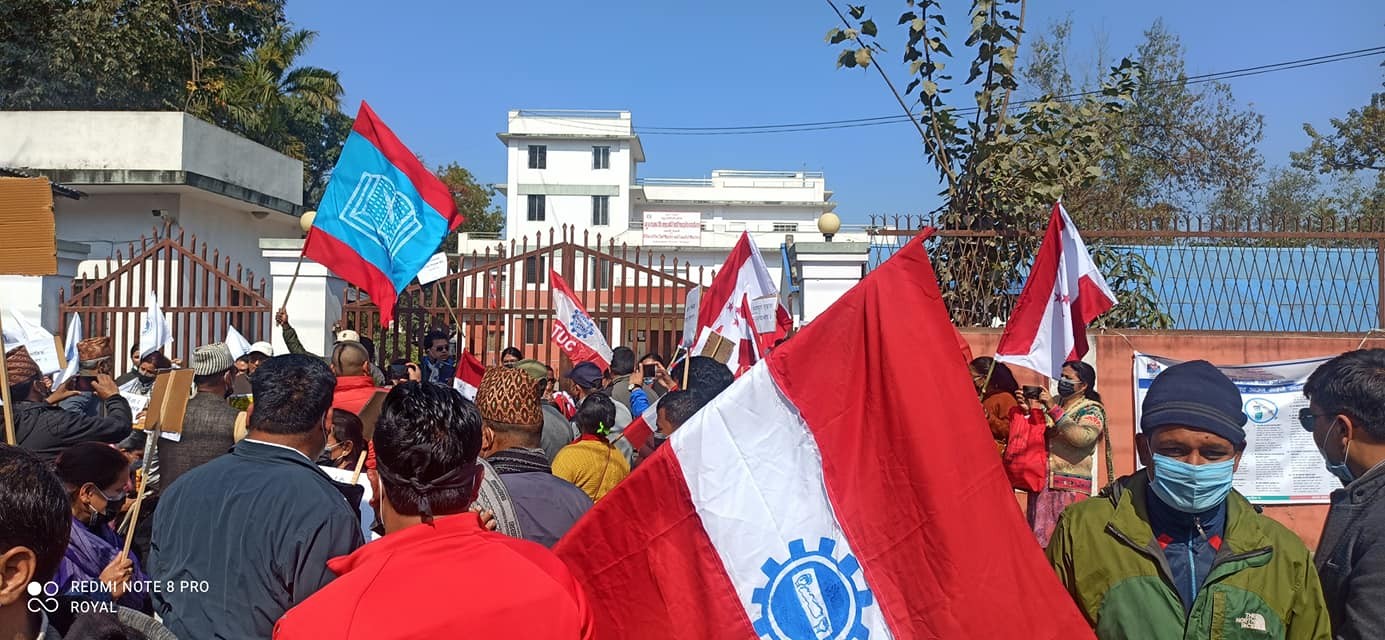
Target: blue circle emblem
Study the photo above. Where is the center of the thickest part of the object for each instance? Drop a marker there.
(812, 596)
(1260, 410)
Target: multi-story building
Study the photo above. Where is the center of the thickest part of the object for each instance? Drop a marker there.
(579, 169)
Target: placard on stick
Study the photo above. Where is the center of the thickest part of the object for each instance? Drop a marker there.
(168, 402)
(370, 414)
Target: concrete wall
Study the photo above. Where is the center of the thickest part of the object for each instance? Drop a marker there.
(1114, 354)
(145, 141)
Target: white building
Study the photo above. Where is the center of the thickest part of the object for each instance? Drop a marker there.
(579, 169)
(139, 171)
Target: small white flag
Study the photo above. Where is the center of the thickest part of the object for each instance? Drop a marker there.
(74, 335)
(154, 334)
(41, 345)
(236, 342)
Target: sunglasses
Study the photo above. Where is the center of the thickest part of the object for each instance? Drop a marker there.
(1307, 418)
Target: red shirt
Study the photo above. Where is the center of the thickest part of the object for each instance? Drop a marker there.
(444, 580)
(353, 394)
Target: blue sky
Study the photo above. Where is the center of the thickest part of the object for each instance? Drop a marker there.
(443, 73)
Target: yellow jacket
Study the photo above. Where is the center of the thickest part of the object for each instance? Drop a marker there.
(593, 464)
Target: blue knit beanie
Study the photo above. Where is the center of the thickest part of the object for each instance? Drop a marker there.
(1197, 395)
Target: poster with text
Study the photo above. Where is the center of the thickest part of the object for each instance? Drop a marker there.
(1281, 464)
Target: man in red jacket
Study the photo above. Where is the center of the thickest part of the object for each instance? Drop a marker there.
(355, 386)
(427, 442)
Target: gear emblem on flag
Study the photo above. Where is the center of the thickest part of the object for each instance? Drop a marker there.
(581, 325)
(812, 596)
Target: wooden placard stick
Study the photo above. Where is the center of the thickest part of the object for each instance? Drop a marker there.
(360, 464)
(10, 437)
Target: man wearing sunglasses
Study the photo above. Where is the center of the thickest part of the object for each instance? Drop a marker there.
(1346, 415)
(437, 365)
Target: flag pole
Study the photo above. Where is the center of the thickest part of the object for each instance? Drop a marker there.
(981, 395)
(10, 437)
(306, 224)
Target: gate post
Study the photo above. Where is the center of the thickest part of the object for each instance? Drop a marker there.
(317, 296)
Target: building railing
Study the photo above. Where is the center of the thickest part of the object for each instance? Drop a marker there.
(1192, 273)
(592, 114)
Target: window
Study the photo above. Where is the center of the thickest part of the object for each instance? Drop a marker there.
(533, 331)
(601, 157)
(538, 156)
(600, 273)
(536, 207)
(785, 227)
(534, 270)
(601, 211)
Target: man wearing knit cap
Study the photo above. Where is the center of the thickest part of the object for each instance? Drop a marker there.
(209, 423)
(511, 439)
(1173, 551)
(47, 430)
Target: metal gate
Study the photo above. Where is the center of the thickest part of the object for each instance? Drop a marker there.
(504, 298)
(200, 295)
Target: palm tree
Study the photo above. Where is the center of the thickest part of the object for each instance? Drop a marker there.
(267, 99)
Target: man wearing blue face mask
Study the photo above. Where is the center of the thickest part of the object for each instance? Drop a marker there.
(1346, 414)
(1173, 551)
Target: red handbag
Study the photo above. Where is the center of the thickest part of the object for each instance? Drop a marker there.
(1026, 454)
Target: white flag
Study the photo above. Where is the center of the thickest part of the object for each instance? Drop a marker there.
(154, 334)
(41, 345)
(74, 335)
(690, 310)
(236, 342)
(573, 328)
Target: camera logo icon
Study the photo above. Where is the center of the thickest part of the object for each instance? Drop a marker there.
(41, 597)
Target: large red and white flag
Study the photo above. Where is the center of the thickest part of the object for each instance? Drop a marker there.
(573, 330)
(742, 275)
(1063, 295)
(468, 376)
(780, 510)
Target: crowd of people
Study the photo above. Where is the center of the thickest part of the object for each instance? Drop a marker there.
(255, 522)
(346, 495)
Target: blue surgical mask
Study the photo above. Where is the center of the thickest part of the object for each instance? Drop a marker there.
(1339, 469)
(1191, 488)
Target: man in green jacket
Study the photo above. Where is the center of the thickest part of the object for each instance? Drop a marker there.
(1173, 552)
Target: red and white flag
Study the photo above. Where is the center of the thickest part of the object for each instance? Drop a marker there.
(573, 330)
(780, 510)
(468, 377)
(742, 275)
(748, 349)
(1063, 295)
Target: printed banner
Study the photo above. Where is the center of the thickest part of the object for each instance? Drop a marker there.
(1281, 464)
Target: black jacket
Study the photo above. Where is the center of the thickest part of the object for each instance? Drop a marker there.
(255, 527)
(47, 430)
(1351, 558)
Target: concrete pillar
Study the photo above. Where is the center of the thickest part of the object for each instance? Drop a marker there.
(829, 270)
(317, 295)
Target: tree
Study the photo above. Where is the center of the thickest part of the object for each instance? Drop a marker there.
(294, 110)
(120, 54)
(1185, 147)
(1000, 171)
(473, 200)
(1357, 142)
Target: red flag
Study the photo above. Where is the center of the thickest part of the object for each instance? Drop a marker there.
(1063, 295)
(743, 274)
(468, 377)
(750, 348)
(783, 510)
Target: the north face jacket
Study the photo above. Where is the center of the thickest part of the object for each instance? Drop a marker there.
(1261, 585)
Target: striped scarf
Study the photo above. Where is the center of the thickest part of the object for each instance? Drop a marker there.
(520, 461)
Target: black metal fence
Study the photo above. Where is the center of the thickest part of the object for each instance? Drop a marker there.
(1181, 273)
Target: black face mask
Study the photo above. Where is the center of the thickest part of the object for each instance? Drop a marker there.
(102, 518)
(146, 379)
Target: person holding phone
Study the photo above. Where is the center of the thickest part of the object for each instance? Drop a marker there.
(1078, 423)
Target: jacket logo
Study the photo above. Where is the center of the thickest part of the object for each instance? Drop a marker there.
(1253, 621)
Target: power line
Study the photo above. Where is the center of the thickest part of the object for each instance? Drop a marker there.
(901, 118)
